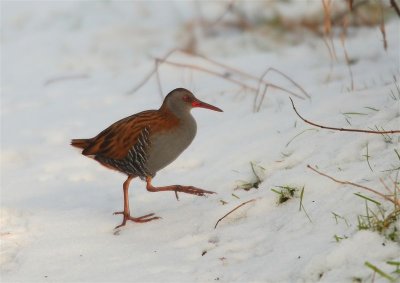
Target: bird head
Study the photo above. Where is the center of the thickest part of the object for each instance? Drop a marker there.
(181, 99)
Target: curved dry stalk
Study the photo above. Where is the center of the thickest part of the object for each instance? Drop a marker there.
(382, 27)
(237, 207)
(151, 73)
(384, 185)
(271, 69)
(342, 129)
(395, 6)
(261, 81)
(235, 71)
(205, 70)
(355, 185)
(65, 78)
(258, 79)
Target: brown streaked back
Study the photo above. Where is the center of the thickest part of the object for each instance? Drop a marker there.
(116, 141)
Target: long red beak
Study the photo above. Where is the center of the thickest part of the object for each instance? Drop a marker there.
(201, 104)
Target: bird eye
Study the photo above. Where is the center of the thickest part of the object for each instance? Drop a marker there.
(186, 98)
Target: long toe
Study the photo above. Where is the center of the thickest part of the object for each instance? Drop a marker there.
(196, 191)
(121, 225)
(144, 218)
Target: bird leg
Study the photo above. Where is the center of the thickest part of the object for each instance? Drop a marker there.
(126, 212)
(177, 188)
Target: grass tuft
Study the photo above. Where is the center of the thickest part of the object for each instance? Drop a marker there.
(258, 173)
(285, 193)
(379, 220)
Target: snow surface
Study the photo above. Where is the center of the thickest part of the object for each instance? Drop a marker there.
(56, 205)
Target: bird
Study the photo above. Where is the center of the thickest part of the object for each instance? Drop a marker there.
(142, 144)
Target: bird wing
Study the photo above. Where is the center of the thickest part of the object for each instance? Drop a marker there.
(116, 141)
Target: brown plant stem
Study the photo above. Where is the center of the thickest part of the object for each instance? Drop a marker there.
(353, 184)
(237, 207)
(342, 129)
(395, 6)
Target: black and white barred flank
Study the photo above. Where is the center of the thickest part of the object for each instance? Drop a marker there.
(134, 164)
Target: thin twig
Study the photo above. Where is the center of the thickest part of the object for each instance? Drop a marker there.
(342, 129)
(395, 6)
(346, 55)
(270, 69)
(205, 70)
(238, 82)
(151, 73)
(384, 185)
(250, 76)
(328, 25)
(382, 27)
(159, 80)
(352, 184)
(262, 81)
(262, 99)
(310, 129)
(229, 8)
(235, 71)
(396, 186)
(237, 207)
(65, 78)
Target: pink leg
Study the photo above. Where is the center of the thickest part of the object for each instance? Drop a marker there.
(126, 212)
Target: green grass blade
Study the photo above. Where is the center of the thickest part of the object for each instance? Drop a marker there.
(367, 198)
(380, 272)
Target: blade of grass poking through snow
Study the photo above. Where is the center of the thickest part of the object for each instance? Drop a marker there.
(379, 271)
(367, 198)
(367, 212)
(395, 263)
(306, 130)
(235, 196)
(371, 108)
(340, 217)
(354, 113)
(301, 204)
(367, 156)
(276, 191)
(397, 153)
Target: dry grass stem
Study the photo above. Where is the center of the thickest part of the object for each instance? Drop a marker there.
(342, 129)
(355, 185)
(395, 6)
(346, 55)
(228, 73)
(205, 70)
(328, 27)
(382, 26)
(151, 73)
(65, 78)
(237, 207)
(384, 185)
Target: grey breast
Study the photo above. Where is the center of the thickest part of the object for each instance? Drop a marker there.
(166, 147)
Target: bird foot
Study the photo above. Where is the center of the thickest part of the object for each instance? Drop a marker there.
(140, 219)
(180, 189)
(177, 189)
(190, 190)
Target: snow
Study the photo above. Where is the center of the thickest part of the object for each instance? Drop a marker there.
(56, 205)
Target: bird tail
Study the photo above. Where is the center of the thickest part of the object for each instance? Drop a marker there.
(80, 143)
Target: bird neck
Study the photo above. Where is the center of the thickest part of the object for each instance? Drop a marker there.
(182, 113)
